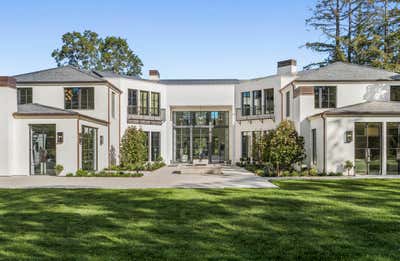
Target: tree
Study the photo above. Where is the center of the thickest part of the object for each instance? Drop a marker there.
(284, 147)
(90, 52)
(133, 149)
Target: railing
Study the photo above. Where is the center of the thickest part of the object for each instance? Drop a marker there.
(254, 113)
(145, 115)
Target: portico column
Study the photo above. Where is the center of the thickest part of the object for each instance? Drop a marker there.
(384, 146)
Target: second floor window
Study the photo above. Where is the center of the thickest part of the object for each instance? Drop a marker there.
(24, 95)
(144, 103)
(257, 102)
(113, 105)
(394, 93)
(79, 98)
(155, 104)
(268, 101)
(132, 101)
(287, 104)
(325, 97)
(245, 103)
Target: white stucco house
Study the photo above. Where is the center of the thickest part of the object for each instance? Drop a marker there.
(77, 118)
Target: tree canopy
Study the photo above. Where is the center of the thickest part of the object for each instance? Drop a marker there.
(88, 51)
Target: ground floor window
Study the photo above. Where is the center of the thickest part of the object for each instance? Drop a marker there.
(155, 146)
(368, 156)
(89, 148)
(42, 149)
(393, 148)
(314, 146)
(246, 145)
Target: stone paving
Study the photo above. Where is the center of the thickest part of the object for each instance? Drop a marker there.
(232, 177)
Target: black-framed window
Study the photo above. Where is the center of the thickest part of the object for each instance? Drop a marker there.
(146, 144)
(268, 101)
(288, 104)
(113, 104)
(155, 104)
(394, 93)
(246, 103)
(257, 102)
(246, 145)
(325, 97)
(144, 102)
(314, 146)
(132, 101)
(24, 95)
(155, 145)
(79, 98)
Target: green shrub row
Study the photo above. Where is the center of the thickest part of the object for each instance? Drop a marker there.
(149, 166)
(85, 173)
(267, 171)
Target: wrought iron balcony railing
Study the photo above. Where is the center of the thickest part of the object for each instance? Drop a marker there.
(145, 115)
(254, 113)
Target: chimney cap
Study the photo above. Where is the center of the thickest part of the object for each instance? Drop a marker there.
(154, 73)
(289, 62)
(6, 81)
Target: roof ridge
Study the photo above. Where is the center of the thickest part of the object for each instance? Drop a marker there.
(364, 66)
(85, 72)
(39, 71)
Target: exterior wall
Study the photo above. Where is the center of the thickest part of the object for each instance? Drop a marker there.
(8, 101)
(318, 125)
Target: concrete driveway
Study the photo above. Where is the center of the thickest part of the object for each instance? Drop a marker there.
(233, 177)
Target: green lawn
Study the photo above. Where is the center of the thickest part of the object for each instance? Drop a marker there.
(347, 219)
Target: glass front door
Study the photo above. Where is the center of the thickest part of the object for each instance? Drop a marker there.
(89, 148)
(368, 157)
(393, 148)
(43, 149)
(201, 143)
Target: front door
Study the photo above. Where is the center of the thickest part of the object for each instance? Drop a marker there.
(42, 149)
(201, 144)
(89, 148)
(368, 157)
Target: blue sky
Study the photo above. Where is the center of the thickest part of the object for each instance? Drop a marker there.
(182, 39)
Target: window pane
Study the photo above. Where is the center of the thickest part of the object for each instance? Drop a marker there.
(395, 93)
(246, 103)
(144, 102)
(155, 104)
(257, 102)
(132, 102)
(268, 101)
(287, 104)
(155, 146)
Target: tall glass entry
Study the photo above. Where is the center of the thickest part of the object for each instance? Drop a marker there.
(368, 156)
(393, 148)
(42, 149)
(89, 148)
(201, 135)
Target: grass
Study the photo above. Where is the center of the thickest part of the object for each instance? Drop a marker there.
(311, 220)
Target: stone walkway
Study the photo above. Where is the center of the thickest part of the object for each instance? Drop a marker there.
(233, 177)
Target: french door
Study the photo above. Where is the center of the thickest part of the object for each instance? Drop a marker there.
(89, 148)
(42, 149)
(368, 148)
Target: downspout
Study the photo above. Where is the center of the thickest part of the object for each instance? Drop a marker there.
(324, 143)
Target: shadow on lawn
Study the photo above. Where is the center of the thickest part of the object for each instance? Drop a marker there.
(311, 220)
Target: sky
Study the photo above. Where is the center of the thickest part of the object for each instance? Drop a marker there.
(180, 38)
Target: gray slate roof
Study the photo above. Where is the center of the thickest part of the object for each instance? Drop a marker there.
(368, 108)
(111, 74)
(341, 71)
(35, 108)
(199, 81)
(60, 74)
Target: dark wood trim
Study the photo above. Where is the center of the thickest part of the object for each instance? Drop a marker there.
(9, 82)
(303, 90)
(17, 115)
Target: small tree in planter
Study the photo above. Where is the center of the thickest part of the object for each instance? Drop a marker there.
(284, 147)
(59, 168)
(133, 149)
(348, 165)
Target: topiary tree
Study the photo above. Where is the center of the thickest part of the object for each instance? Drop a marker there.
(133, 149)
(284, 147)
(348, 165)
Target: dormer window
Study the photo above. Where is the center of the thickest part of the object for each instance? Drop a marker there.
(394, 93)
(24, 95)
(325, 97)
(79, 98)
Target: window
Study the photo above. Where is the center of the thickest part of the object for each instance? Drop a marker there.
(325, 97)
(132, 101)
(155, 104)
(146, 144)
(268, 101)
(314, 146)
(113, 105)
(257, 102)
(79, 98)
(89, 148)
(394, 93)
(288, 104)
(155, 146)
(24, 95)
(246, 145)
(245, 103)
(144, 103)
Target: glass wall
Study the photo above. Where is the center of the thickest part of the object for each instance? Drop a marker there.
(368, 138)
(201, 135)
(89, 148)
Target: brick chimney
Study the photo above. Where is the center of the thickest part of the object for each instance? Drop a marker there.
(154, 75)
(287, 67)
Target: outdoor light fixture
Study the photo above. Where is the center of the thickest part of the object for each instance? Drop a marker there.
(349, 136)
(60, 137)
(101, 140)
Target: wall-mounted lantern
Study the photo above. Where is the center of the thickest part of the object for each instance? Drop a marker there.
(349, 136)
(60, 137)
(101, 140)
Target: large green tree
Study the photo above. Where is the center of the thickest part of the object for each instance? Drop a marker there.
(90, 52)
(133, 149)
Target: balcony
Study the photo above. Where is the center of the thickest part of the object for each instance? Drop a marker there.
(145, 115)
(249, 113)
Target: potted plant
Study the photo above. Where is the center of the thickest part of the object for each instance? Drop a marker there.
(59, 168)
(348, 165)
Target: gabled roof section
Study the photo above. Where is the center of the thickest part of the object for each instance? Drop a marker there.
(341, 71)
(59, 74)
(374, 108)
(111, 74)
(198, 81)
(35, 108)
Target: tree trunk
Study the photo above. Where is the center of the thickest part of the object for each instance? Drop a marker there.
(349, 44)
(337, 34)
